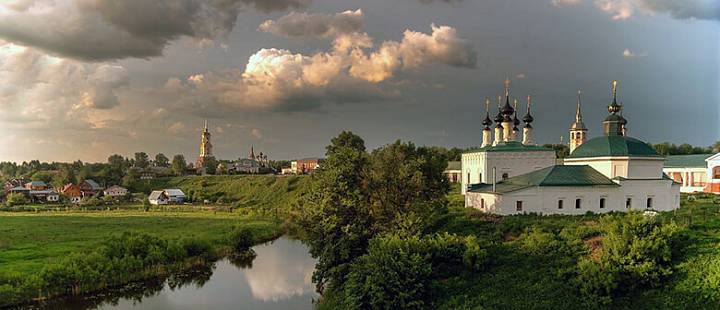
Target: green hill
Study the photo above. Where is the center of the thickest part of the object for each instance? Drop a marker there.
(258, 191)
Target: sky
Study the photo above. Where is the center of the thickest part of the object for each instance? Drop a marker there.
(84, 79)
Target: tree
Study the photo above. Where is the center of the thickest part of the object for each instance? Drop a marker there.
(210, 165)
(131, 178)
(716, 147)
(335, 213)
(142, 160)
(65, 176)
(561, 150)
(117, 162)
(161, 160)
(221, 168)
(178, 164)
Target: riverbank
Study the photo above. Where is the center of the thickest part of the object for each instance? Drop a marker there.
(30, 242)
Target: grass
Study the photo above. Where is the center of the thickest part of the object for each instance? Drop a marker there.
(29, 240)
(518, 280)
(256, 191)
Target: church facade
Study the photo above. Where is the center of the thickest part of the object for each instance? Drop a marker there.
(612, 172)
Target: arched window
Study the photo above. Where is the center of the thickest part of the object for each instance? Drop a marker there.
(518, 206)
(628, 203)
(572, 135)
(480, 177)
(649, 203)
(505, 176)
(468, 178)
(482, 203)
(716, 172)
(560, 204)
(602, 203)
(578, 203)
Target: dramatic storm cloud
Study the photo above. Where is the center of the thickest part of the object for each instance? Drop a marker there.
(112, 29)
(348, 72)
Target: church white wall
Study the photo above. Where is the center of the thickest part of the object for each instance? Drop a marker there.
(665, 196)
(478, 167)
(609, 167)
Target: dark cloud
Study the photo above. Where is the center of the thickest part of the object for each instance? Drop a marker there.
(98, 30)
(315, 25)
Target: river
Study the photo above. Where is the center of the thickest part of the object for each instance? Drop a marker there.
(278, 278)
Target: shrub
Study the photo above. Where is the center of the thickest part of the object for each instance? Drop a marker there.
(400, 272)
(242, 238)
(636, 251)
(15, 199)
(90, 202)
(538, 242)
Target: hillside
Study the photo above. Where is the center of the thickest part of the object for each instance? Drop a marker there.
(258, 191)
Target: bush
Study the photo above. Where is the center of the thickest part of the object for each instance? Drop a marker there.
(538, 242)
(400, 272)
(15, 199)
(636, 251)
(242, 238)
(90, 202)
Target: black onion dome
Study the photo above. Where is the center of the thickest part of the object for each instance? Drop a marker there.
(487, 122)
(528, 118)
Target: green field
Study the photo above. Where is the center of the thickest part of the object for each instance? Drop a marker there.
(28, 240)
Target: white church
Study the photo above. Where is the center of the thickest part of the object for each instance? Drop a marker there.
(612, 172)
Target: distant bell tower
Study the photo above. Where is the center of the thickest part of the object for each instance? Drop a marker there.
(578, 131)
(205, 147)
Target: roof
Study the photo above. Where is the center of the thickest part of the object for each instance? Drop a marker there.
(174, 192)
(558, 175)
(93, 184)
(454, 165)
(156, 195)
(510, 146)
(18, 188)
(37, 183)
(614, 146)
(115, 187)
(686, 161)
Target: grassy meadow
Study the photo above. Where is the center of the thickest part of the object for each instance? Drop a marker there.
(30, 240)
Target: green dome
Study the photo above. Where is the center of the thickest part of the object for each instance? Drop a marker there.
(614, 146)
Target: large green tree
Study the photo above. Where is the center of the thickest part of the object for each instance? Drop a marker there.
(356, 196)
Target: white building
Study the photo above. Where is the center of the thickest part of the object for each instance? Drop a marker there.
(158, 198)
(115, 191)
(713, 172)
(453, 171)
(691, 171)
(175, 195)
(503, 157)
(609, 173)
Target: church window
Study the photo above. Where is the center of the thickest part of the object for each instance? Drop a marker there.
(560, 204)
(480, 177)
(628, 203)
(505, 176)
(578, 202)
(649, 203)
(468, 178)
(482, 203)
(602, 203)
(518, 206)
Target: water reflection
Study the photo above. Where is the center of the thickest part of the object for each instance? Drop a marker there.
(278, 278)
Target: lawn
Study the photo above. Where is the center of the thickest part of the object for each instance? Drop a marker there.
(30, 240)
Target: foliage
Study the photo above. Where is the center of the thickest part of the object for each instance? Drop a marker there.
(636, 251)
(142, 160)
(356, 196)
(241, 238)
(561, 150)
(399, 273)
(161, 160)
(667, 148)
(14, 199)
(179, 164)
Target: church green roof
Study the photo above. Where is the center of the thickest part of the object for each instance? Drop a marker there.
(510, 146)
(614, 146)
(558, 175)
(454, 165)
(687, 161)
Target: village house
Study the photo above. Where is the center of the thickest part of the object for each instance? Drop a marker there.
(72, 192)
(158, 198)
(89, 188)
(305, 165)
(13, 183)
(115, 191)
(453, 171)
(36, 185)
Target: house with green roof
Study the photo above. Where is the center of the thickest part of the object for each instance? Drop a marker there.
(612, 172)
(453, 171)
(691, 171)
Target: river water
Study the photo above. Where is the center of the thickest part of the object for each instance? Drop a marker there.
(278, 278)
